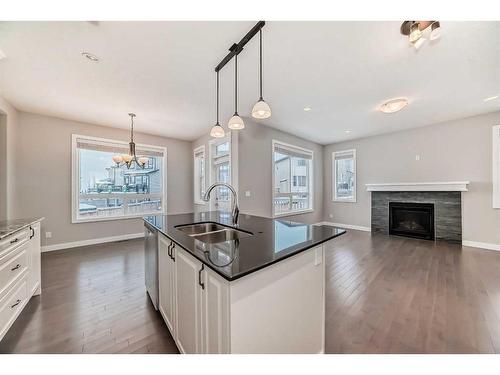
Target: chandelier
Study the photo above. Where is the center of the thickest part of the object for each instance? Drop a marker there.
(131, 157)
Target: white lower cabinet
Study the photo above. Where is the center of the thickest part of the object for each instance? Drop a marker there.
(34, 276)
(193, 301)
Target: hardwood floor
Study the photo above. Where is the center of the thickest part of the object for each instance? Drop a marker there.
(93, 301)
(384, 295)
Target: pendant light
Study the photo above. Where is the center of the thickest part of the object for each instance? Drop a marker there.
(217, 130)
(236, 122)
(127, 159)
(261, 109)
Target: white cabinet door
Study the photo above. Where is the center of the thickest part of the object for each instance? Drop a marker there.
(215, 313)
(189, 326)
(166, 279)
(34, 272)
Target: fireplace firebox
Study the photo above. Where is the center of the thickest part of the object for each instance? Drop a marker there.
(414, 220)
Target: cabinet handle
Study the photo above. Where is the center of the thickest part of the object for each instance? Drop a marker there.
(16, 267)
(199, 277)
(14, 241)
(15, 304)
(32, 233)
(172, 252)
(168, 251)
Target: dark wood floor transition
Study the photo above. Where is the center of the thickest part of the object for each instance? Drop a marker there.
(384, 295)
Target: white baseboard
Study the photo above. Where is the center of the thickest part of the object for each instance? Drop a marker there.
(346, 226)
(93, 241)
(481, 245)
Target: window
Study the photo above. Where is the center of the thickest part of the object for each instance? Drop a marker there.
(496, 166)
(292, 179)
(104, 191)
(344, 176)
(199, 175)
(220, 171)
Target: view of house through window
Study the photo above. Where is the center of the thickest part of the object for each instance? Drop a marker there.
(220, 170)
(105, 190)
(292, 190)
(344, 175)
(199, 175)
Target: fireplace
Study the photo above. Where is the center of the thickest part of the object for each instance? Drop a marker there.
(411, 220)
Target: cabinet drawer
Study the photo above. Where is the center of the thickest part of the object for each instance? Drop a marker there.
(13, 267)
(11, 305)
(12, 241)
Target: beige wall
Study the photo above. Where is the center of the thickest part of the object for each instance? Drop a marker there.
(43, 176)
(255, 169)
(458, 150)
(8, 131)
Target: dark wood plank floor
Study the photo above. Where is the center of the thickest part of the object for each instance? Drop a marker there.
(384, 295)
(93, 301)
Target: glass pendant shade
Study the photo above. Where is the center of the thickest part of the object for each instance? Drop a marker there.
(117, 159)
(217, 131)
(435, 30)
(127, 158)
(415, 33)
(236, 122)
(143, 160)
(261, 110)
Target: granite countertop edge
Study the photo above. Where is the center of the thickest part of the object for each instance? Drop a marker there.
(9, 227)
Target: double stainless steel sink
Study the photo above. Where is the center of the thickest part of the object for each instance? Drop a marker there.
(209, 232)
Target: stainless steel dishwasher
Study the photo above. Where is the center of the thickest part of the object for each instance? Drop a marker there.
(151, 262)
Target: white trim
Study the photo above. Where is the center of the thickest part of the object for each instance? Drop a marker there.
(481, 245)
(93, 241)
(419, 186)
(211, 176)
(311, 180)
(334, 176)
(199, 150)
(496, 166)
(345, 226)
(75, 173)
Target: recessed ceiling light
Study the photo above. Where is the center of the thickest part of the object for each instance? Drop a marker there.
(307, 109)
(490, 98)
(347, 131)
(394, 105)
(90, 56)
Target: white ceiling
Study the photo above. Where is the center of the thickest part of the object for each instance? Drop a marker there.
(163, 71)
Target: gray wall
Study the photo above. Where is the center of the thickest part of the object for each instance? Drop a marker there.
(459, 150)
(43, 176)
(255, 169)
(8, 132)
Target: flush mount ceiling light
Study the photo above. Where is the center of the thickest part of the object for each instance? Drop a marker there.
(307, 109)
(90, 56)
(128, 159)
(261, 109)
(394, 105)
(415, 31)
(490, 98)
(217, 130)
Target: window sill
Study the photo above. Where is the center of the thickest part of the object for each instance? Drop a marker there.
(201, 203)
(346, 200)
(138, 216)
(293, 213)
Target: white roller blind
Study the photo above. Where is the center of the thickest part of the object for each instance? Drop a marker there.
(292, 151)
(115, 148)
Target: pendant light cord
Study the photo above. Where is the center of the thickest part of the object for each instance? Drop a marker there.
(260, 54)
(217, 97)
(236, 83)
(132, 129)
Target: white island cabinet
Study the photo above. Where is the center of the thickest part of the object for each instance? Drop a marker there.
(277, 309)
(19, 268)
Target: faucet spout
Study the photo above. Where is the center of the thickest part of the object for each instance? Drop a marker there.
(235, 210)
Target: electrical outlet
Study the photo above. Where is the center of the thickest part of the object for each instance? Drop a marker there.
(48, 234)
(417, 157)
(330, 216)
(248, 193)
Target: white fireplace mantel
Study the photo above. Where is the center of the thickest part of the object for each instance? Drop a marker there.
(419, 186)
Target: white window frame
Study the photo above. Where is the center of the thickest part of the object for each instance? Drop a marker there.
(273, 179)
(196, 151)
(211, 174)
(334, 176)
(496, 166)
(75, 185)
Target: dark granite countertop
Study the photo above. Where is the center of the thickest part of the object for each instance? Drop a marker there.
(7, 227)
(273, 240)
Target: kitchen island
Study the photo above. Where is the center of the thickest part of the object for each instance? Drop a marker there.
(258, 287)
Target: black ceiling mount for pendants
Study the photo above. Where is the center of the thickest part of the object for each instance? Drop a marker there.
(236, 122)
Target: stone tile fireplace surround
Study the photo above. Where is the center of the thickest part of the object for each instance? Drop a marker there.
(447, 201)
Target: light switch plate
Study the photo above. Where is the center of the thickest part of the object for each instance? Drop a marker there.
(48, 234)
(248, 193)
